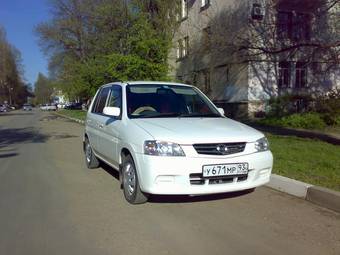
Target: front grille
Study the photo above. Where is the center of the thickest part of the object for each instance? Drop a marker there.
(219, 148)
(197, 179)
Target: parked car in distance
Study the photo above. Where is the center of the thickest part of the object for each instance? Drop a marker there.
(4, 108)
(48, 107)
(60, 106)
(43, 107)
(51, 107)
(27, 107)
(169, 138)
(73, 106)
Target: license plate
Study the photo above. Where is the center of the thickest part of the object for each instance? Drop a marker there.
(225, 169)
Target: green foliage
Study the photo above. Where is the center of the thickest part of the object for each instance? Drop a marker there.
(329, 106)
(91, 43)
(12, 87)
(304, 121)
(285, 105)
(317, 113)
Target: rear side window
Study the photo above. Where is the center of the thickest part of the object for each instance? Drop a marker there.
(100, 101)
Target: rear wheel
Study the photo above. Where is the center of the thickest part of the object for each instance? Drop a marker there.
(132, 191)
(90, 158)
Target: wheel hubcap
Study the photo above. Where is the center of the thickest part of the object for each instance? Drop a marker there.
(129, 178)
(88, 152)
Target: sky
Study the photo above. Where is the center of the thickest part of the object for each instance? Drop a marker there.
(19, 17)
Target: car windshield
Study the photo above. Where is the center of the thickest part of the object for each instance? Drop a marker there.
(161, 101)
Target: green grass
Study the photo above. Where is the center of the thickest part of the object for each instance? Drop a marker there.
(307, 160)
(77, 114)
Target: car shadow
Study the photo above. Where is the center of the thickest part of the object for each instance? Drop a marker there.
(8, 155)
(197, 198)
(15, 113)
(181, 198)
(113, 172)
(20, 135)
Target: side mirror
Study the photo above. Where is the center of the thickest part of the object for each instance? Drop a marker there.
(111, 111)
(221, 111)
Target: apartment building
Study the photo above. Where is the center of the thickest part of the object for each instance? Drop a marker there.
(243, 52)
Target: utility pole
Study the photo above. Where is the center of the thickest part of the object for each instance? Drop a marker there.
(10, 95)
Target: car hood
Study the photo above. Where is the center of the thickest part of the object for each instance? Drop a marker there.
(198, 130)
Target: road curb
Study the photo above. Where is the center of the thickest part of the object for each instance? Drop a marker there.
(290, 186)
(324, 197)
(315, 194)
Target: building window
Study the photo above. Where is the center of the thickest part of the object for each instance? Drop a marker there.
(184, 9)
(300, 75)
(206, 38)
(284, 74)
(205, 4)
(182, 47)
(292, 25)
(206, 80)
(185, 46)
(284, 25)
(301, 26)
(179, 49)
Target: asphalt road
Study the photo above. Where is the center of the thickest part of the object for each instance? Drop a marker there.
(50, 203)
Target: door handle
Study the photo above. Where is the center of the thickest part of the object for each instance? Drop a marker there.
(100, 125)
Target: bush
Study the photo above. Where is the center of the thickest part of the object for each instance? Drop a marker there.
(337, 120)
(305, 121)
(329, 106)
(286, 105)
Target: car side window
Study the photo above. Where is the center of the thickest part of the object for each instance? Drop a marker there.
(115, 99)
(101, 100)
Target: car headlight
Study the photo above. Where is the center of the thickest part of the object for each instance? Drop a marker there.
(262, 144)
(161, 148)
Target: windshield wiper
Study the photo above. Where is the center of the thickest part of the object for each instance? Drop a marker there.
(180, 115)
(201, 115)
(161, 115)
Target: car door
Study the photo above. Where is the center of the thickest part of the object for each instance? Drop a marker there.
(94, 118)
(108, 138)
(91, 124)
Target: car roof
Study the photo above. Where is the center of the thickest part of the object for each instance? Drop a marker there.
(133, 83)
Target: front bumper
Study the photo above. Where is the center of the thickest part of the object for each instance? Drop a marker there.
(177, 175)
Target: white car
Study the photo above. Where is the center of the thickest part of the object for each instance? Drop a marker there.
(27, 107)
(51, 107)
(169, 138)
(48, 107)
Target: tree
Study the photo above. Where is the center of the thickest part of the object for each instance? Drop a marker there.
(43, 90)
(90, 43)
(12, 87)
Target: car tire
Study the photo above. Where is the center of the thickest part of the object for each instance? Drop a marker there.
(90, 159)
(131, 188)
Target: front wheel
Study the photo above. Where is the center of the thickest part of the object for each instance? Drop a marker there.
(132, 191)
